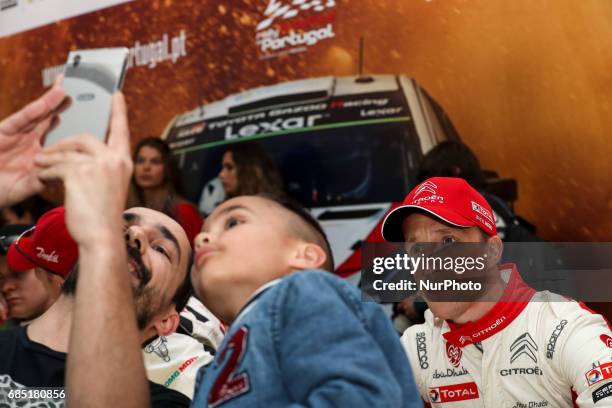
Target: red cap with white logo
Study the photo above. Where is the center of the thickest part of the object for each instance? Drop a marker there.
(450, 199)
(47, 245)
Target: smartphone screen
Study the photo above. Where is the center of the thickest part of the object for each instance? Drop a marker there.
(90, 79)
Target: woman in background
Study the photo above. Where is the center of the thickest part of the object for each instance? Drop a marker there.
(246, 169)
(155, 185)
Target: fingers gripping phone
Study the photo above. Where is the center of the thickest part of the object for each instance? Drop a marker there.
(90, 79)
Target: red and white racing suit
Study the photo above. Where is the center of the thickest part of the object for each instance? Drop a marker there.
(544, 351)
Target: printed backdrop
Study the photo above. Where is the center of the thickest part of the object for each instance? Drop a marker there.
(527, 84)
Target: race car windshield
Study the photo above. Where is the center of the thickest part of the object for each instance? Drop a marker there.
(372, 163)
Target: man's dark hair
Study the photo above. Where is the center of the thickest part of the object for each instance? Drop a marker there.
(69, 285)
(185, 290)
(312, 231)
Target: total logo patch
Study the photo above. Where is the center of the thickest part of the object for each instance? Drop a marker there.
(599, 373)
(452, 393)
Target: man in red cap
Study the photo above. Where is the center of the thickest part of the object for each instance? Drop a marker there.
(519, 348)
(37, 264)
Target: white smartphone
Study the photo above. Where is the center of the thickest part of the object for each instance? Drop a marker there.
(90, 79)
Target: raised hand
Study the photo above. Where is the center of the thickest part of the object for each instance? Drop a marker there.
(20, 141)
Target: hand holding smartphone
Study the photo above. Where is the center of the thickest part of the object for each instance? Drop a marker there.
(91, 77)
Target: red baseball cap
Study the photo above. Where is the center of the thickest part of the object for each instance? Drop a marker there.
(450, 199)
(47, 245)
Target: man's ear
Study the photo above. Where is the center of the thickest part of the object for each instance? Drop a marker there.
(167, 323)
(308, 255)
(495, 248)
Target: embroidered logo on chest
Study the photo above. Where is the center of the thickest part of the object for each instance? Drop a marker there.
(230, 384)
(454, 354)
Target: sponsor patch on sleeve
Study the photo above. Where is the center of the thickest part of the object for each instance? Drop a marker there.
(602, 392)
(607, 340)
(600, 373)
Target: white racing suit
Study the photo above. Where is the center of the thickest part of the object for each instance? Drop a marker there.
(545, 351)
(173, 361)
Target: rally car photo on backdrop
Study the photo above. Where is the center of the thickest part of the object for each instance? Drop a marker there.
(348, 148)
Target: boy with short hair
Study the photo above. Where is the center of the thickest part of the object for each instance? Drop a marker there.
(298, 336)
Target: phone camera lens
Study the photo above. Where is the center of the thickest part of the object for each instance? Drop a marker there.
(77, 60)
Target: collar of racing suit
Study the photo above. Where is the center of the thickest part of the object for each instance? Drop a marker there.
(512, 302)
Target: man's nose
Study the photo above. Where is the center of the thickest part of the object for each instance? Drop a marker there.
(136, 238)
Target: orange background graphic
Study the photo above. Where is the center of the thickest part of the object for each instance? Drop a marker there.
(527, 84)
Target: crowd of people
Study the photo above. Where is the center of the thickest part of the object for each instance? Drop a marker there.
(146, 304)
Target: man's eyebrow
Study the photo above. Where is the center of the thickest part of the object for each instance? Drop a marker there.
(445, 229)
(130, 217)
(441, 230)
(169, 236)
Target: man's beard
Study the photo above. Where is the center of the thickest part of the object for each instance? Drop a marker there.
(143, 309)
(142, 294)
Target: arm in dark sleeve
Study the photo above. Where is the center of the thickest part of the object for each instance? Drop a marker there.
(162, 397)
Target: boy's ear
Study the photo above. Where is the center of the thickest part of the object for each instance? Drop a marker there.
(308, 256)
(168, 323)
